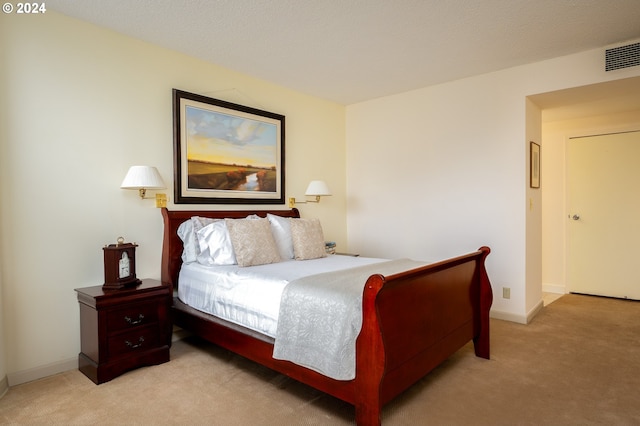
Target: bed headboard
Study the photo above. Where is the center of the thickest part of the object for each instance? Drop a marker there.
(172, 244)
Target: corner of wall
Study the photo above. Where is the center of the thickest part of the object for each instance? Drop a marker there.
(32, 374)
(533, 312)
(4, 386)
(518, 318)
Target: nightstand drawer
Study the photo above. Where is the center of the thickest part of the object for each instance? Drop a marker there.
(133, 316)
(135, 341)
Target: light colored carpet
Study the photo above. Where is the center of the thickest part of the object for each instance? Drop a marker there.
(577, 363)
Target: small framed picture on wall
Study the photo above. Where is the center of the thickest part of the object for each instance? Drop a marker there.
(534, 166)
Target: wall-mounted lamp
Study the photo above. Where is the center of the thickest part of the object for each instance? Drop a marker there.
(317, 188)
(143, 178)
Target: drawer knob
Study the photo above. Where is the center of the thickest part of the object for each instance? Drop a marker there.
(132, 321)
(136, 345)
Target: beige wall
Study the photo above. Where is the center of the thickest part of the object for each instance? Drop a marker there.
(452, 162)
(80, 105)
(555, 135)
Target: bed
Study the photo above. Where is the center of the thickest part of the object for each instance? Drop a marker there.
(411, 321)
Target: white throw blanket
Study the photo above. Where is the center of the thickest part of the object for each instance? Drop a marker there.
(321, 317)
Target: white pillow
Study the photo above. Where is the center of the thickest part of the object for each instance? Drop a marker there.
(215, 245)
(187, 231)
(253, 242)
(308, 239)
(281, 230)
(190, 248)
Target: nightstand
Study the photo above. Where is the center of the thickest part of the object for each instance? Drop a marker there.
(123, 329)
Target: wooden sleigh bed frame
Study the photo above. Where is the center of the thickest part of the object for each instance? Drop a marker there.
(412, 322)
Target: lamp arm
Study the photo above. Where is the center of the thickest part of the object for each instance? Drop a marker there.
(293, 201)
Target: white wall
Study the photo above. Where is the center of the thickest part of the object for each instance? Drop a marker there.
(555, 135)
(442, 170)
(80, 105)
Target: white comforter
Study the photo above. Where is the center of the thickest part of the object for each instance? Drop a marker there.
(251, 296)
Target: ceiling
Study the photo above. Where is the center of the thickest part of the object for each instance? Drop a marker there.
(350, 51)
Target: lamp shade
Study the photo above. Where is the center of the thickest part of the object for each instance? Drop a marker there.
(142, 177)
(317, 188)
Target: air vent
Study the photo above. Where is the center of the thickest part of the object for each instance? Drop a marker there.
(622, 57)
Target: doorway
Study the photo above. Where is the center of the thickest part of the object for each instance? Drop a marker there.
(606, 107)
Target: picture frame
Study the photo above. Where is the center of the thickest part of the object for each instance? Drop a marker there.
(225, 153)
(534, 165)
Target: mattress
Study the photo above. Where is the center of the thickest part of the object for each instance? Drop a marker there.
(250, 296)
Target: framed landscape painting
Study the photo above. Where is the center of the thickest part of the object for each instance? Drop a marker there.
(225, 153)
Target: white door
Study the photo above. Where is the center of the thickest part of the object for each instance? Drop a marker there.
(604, 215)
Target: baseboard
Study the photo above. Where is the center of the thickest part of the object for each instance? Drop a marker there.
(533, 312)
(520, 319)
(554, 288)
(508, 316)
(36, 373)
(4, 386)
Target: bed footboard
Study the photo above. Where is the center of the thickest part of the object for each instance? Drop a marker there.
(413, 321)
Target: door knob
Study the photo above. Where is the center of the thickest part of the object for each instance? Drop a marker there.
(575, 217)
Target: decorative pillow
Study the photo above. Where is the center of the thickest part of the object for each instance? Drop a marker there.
(200, 222)
(187, 231)
(308, 239)
(252, 241)
(281, 230)
(215, 245)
